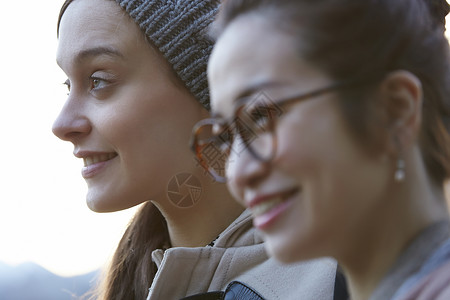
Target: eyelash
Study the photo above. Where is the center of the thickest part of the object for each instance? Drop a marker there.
(92, 83)
(67, 84)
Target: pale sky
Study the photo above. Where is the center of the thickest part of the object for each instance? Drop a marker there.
(43, 216)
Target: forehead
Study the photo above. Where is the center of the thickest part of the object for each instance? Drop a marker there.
(250, 53)
(93, 23)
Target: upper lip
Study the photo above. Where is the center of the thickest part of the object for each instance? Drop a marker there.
(254, 200)
(91, 157)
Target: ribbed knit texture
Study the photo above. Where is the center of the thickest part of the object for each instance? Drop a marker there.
(179, 30)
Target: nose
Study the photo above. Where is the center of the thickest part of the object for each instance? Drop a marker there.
(246, 171)
(71, 123)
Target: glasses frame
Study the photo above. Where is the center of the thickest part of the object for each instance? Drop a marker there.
(196, 147)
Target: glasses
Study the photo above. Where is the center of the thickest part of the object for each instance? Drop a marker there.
(252, 129)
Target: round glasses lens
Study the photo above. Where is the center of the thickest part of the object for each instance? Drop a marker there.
(255, 129)
(213, 150)
(263, 146)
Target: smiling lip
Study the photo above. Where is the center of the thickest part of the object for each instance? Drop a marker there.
(94, 162)
(267, 209)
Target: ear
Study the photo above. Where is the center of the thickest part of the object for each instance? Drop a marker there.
(401, 97)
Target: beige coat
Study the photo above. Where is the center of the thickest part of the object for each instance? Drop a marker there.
(238, 254)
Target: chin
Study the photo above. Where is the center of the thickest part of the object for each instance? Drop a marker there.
(108, 203)
(284, 252)
(100, 205)
(93, 205)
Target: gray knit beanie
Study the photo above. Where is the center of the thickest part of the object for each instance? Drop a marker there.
(178, 28)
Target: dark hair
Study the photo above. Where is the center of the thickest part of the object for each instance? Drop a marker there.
(368, 38)
(61, 13)
(131, 270)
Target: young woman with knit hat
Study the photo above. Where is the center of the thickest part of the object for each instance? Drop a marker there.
(137, 84)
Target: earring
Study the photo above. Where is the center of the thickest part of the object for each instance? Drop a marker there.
(399, 175)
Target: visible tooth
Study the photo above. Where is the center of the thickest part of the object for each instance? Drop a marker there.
(264, 207)
(99, 158)
(88, 161)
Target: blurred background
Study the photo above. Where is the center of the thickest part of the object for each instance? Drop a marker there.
(50, 241)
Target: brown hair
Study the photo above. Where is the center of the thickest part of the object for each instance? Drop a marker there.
(351, 39)
(131, 270)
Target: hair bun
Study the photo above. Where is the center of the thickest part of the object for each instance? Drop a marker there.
(439, 10)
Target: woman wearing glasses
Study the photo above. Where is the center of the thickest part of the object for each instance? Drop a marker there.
(333, 117)
(137, 84)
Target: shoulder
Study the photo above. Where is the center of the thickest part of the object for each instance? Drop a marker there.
(433, 280)
(434, 286)
(312, 279)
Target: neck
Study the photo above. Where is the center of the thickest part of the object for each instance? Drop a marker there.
(201, 224)
(411, 207)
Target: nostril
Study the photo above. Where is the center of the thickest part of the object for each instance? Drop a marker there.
(68, 129)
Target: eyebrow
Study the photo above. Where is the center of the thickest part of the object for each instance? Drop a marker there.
(247, 92)
(256, 88)
(97, 51)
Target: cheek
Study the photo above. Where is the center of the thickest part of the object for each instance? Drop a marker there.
(313, 140)
(231, 171)
(132, 128)
(235, 192)
(316, 152)
(298, 150)
(303, 132)
(142, 114)
(333, 170)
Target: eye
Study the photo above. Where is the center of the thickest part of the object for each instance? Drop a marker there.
(246, 133)
(262, 116)
(98, 83)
